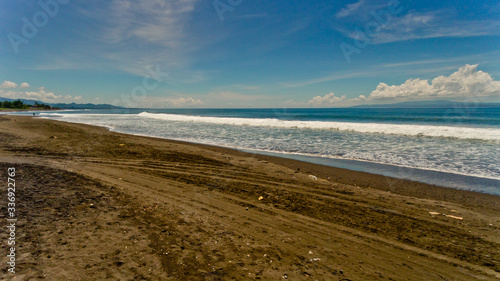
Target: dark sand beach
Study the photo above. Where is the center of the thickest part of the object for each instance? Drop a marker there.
(97, 205)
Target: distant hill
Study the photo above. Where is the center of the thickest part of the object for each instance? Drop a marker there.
(83, 106)
(30, 102)
(67, 105)
(429, 104)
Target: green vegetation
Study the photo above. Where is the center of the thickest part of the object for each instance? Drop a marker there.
(13, 105)
(18, 104)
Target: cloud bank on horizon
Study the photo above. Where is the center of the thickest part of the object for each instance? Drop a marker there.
(250, 54)
(11, 90)
(466, 83)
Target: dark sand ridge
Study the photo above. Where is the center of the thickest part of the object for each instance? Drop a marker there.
(97, 205)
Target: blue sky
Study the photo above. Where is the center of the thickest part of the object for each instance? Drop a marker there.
(240, 53)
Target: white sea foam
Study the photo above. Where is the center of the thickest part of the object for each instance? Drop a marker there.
(489, 134)
(77, 115)
(446, 148)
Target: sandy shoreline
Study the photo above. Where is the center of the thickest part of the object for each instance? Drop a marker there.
(156, 209)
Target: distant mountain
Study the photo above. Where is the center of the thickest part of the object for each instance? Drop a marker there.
(30, 102)
(67, 105)
(83, 106)
(430, 104)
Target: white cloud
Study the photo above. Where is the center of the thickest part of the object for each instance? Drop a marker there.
(179, 100)
(409, 25)
(411, 88)
(182, 102)
(24, 85)
(8, 85)
(430, 25)
(466, 82)
(215, 99)
(236, 99)
(158, 21)
(331, 77)
(298, 27)
(328, 100)
(235, 96)
(132, 35)
(418, 62)
(293, 103)
(41, 95)
(244, 87)
(253, 16)
(122, 30)
(159, 26)
(349, 9)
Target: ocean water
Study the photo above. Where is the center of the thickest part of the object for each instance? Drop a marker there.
(455, 147)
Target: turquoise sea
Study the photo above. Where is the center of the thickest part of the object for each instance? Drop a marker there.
(454, 147)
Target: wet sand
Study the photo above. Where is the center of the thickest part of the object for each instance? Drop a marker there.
(97, 205)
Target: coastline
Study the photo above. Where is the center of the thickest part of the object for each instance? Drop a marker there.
(434, 161)
(339, 211)
(419, 184)
(362, 179)
(28, 110)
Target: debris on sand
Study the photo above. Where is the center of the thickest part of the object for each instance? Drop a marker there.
(261, 197)
(454, 217)
(313, 177)
(434, 213)
(53, 137)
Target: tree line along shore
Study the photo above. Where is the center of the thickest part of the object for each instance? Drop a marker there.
(20, 105)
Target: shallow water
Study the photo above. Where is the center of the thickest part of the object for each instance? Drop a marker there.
(449, 147)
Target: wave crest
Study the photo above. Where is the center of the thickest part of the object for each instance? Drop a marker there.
(488, 134)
